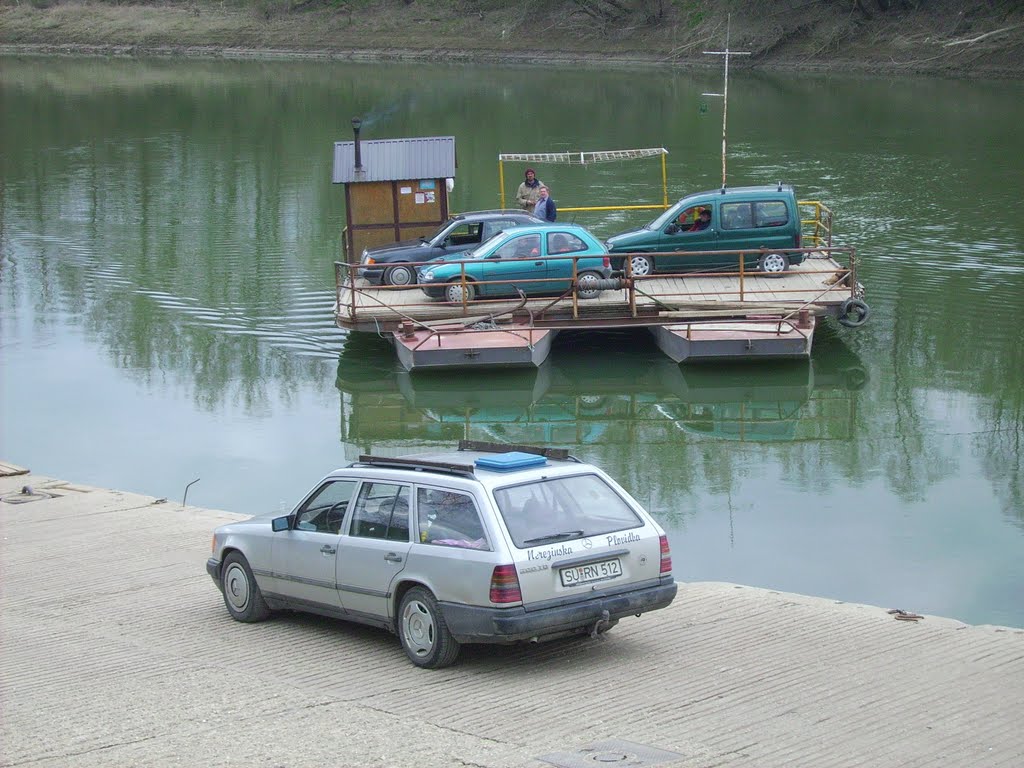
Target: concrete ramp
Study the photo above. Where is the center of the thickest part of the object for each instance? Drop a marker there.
(116, 650)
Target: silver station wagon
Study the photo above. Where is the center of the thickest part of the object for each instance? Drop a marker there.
(487, 544)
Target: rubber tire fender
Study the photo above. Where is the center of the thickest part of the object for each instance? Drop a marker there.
(853, 313)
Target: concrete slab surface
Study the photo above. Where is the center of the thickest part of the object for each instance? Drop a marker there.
(116, 650)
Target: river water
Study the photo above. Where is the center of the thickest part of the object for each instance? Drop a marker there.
(167, 234)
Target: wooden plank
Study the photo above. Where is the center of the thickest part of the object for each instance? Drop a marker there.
(803, 283)
(11, 470)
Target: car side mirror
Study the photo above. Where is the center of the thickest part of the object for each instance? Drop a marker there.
(279, 524)
(671, 229)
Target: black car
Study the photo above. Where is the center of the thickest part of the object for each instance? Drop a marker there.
(392, 263)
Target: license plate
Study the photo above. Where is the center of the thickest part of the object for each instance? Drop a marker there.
(584, 574)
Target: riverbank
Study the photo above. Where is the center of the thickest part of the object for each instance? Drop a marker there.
(944, 37)
(113, 629)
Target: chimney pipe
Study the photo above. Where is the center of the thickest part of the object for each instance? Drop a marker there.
(356, 124)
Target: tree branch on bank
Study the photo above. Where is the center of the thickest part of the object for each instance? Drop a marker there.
(979, 38)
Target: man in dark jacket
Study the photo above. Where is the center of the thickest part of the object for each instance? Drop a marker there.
(545, 209)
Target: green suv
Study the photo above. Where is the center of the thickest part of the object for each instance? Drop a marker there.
(706, 230)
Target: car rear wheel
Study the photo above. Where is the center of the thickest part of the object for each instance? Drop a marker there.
(585, 285)
(424, 635)
(242, 594)
(773, 264)
(456, 291)
(402, 274)
(641, 266)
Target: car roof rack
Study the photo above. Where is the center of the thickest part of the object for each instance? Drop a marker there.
(417, 465)
(558, 454)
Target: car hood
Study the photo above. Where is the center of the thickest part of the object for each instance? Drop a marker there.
(256, 521)
(626, 240)
(457, 256)
(405, 245)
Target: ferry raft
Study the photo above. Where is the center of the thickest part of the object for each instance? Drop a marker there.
(397, 189)
(733, 315)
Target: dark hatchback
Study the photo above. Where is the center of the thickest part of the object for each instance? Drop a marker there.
(392, 264)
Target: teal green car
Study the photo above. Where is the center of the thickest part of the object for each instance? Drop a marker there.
(762, 221)
(536, 260)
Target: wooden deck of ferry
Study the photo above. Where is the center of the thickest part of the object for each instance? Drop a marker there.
(697, 316)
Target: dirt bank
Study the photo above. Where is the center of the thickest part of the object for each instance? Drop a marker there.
(964, 39)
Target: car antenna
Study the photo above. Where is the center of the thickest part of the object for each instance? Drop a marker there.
(725, 89)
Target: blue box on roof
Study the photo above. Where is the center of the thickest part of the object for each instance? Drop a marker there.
(506, 462)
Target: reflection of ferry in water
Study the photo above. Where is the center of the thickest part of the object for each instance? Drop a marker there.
(587, 397)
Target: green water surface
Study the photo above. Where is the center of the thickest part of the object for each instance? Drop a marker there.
(167, 234)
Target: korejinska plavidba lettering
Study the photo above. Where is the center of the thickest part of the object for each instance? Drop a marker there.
(561, 551)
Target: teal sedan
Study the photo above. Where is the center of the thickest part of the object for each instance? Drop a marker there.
(533, 259)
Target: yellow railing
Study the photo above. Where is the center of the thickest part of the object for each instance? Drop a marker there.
(816, 230)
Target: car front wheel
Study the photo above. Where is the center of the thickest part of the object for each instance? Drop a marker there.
(424, 635)
(242, 594)
(773, 264)
(641, 266)
(402, 274)
(456, 293)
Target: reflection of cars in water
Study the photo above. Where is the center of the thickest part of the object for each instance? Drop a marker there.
(607, 391)
(479, 545)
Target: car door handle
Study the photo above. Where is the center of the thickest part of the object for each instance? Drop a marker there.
(393, 557)
(327, 549)
(538, 263)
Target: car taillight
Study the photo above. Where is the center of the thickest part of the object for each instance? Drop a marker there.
(798, 240)
(607, 261)
(369, 260)
(505, 585)
(666, 557)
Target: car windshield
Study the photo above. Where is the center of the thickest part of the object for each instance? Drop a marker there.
(486, 247)
(440, 234)
(559, 509)
(665, 218)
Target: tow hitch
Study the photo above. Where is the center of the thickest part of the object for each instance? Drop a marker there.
(600, 624)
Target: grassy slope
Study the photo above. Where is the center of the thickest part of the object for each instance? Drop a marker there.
(938, 36)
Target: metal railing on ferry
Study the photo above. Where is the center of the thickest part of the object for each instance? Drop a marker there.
(672, 293)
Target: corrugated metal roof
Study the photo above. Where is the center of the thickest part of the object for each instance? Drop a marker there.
(428, 157)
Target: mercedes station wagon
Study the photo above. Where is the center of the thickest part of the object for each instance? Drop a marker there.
(762, 221)
(486, 544)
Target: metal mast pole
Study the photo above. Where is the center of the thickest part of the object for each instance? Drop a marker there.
(725, 88)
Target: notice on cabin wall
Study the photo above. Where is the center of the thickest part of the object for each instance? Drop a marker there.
(405, 190)
(429, 196)
(427, 184)
(419, 198)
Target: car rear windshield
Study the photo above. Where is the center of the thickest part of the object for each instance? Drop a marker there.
(563, 508)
